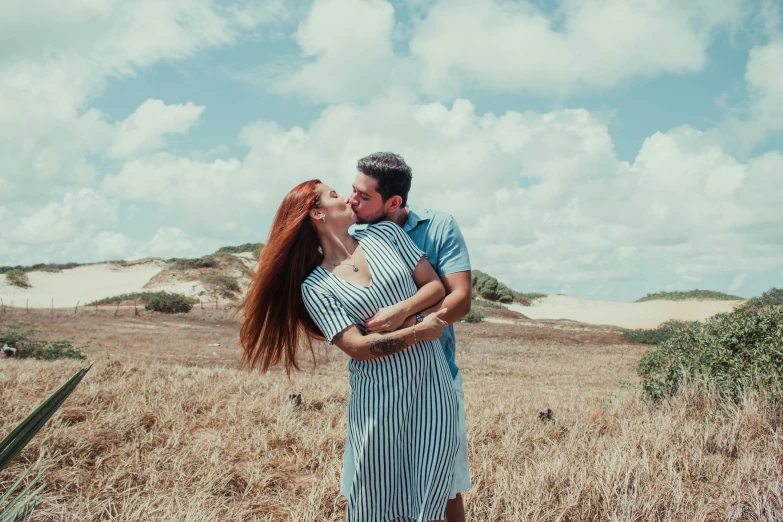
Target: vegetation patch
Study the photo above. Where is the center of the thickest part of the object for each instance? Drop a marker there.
(41, 267)
(255, 248)
(487, 304)
(188, 263)
(474, 316)
(656, 335)
(169, 303)
(18, 278)
(702, 295)
(223, 285)
(487, 287)
(772, 297)
(729, 354)
(143, 297)
(21, 342)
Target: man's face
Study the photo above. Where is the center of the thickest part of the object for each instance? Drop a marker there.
(366, 201)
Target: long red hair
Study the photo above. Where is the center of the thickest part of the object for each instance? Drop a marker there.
(275, 317)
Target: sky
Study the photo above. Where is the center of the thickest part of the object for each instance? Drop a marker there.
(603, 149)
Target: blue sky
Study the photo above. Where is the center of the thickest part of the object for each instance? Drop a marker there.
(602, 149)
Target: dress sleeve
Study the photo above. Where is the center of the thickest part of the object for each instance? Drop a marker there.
(409, 252)
(327, 312)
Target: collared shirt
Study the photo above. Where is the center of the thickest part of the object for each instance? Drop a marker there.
(437, 234)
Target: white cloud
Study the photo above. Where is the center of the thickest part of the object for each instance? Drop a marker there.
(173, 242)
(542, 198)
(501, 46)
(145, 129)
(342, 41)
(78, 213)
(738, 282)
(109, 245)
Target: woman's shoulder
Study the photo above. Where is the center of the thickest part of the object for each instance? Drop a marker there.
(314, 280)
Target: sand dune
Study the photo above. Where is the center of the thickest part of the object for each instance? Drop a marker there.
(81, 284)
(648, 314)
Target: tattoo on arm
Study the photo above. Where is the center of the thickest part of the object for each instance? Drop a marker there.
(384, 347)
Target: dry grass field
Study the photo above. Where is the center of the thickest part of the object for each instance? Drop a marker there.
(167, 427)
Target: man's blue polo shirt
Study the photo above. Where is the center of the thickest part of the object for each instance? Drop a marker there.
(437, 234)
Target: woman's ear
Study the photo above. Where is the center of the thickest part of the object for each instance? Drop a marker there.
(316, 213)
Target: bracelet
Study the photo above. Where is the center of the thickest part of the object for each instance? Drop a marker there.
(414, 335)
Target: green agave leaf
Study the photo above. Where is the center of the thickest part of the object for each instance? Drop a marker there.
(26, 430)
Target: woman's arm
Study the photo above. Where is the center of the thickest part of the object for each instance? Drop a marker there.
(430, 293)
(373, 345)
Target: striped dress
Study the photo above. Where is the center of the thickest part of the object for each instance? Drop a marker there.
(402, 412)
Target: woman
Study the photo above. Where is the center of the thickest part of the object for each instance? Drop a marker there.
(315, 280)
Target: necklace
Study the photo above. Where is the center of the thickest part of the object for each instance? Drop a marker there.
(354, 264)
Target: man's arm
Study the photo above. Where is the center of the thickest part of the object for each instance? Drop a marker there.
(459, 293)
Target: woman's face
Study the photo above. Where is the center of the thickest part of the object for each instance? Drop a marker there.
(336, 208)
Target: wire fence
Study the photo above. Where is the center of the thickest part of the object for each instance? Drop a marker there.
(137, 307)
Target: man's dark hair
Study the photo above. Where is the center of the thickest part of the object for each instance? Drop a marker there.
(392, 173)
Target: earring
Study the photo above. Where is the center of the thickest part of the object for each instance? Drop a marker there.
(324, 218)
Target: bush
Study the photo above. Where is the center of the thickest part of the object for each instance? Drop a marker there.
(225, 285)
(169, 303)
(772, 297)
(729, 353)
(27, 345)
(143, 297)
(656, 335)
(487, 304)
(486, 286)
(474, 317)
(246, 247)
(690, 294)
(200, 262)
(18, 278)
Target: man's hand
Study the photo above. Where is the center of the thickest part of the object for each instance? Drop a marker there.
(387, 319)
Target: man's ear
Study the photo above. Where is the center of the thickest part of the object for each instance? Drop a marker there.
(393, 203)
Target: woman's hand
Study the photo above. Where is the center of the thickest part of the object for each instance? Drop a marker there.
(431, 328)
(387, 319)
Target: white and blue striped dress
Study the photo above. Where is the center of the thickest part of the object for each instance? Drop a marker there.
(402, 412)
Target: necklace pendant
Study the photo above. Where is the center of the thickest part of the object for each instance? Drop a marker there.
(355, 269)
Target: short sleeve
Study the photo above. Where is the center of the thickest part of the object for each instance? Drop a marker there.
(326, 311)
(409, 252)
(452, 252)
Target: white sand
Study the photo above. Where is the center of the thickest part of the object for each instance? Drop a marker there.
(648, 314)
(82, 284)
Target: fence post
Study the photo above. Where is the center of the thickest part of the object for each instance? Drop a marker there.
(201, 303)
(2, 305)
(52, 306)
(75, 307)
(27, 305)
(135, 310)
(118, 309)
(216, 303)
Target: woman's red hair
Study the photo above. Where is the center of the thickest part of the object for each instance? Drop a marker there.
(275, 317)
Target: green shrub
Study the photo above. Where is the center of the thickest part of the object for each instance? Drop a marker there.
(246, 247)
(486, 286)
(729, 353)
(225, 285)
(199, 262)
(474, 317)
(487, 304)
(169, 303)
(690, 294)
(772, 297)
(27, 345)
(142, 297)
(18, 278)
(656, 335)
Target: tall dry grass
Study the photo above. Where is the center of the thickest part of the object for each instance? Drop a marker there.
(159, 441)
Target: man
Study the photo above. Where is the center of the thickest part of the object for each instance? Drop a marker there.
(380, 192)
